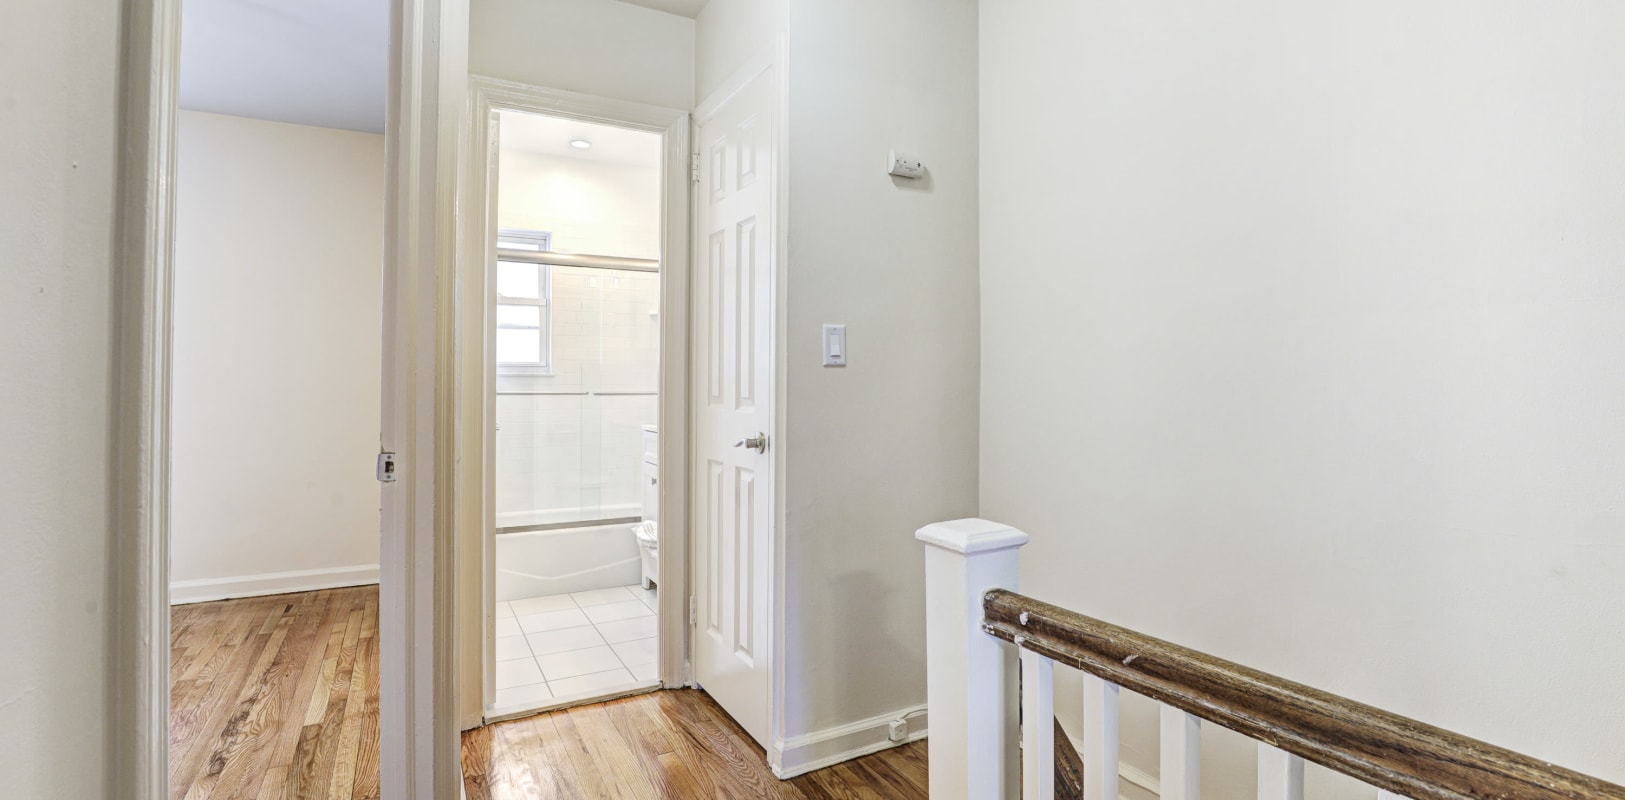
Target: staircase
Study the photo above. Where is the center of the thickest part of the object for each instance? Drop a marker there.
(976, 622)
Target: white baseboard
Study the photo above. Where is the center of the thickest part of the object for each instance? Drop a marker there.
(306, 580)
(802, 754)
(1126, 772)
(1139, 777)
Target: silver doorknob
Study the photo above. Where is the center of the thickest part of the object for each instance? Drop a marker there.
(757, 443)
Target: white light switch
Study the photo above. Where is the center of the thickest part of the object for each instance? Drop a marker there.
(834, 345)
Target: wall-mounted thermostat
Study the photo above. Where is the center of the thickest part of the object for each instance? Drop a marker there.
(905, 166)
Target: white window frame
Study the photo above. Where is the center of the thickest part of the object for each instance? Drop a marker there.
(543, 241)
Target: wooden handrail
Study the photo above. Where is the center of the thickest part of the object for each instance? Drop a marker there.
(1382, 749)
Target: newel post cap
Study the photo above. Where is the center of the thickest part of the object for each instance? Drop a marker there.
(969, 536)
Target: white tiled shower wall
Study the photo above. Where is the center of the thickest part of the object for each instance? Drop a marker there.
(567, 456)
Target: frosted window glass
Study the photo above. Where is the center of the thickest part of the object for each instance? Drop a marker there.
(519, 316)
(519, 280)
(519, 346)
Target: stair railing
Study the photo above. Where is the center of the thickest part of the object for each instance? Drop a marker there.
(974, 615)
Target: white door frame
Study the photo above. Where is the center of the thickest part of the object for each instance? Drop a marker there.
(419, 751)
(776, 58)
(475, 379)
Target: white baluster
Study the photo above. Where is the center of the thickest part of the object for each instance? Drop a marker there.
(1384, 794)
(1099, 739)
(969, 686)
(1037, 727)
(1181, 755)
(1280, 774)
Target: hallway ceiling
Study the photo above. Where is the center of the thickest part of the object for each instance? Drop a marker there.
(309, 62)
(682, 8)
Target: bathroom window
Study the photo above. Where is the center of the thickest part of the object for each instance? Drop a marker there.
(524, 308)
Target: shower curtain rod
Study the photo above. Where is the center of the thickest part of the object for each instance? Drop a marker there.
(578, 260)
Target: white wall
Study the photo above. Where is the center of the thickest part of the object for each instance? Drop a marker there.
(278, 267)
(589, 207)
(599, 47)
(728, 34)
(887, 444)
(1305, 345)
(58, 72)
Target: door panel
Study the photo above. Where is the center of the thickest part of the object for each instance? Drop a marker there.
(733, 304)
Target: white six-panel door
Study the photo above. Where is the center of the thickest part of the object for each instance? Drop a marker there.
(733, 381)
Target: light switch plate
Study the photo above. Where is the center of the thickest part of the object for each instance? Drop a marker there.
(834, 345)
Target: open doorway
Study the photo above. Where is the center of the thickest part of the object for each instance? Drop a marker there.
(575, 355)
(277, 316)
(574, 318)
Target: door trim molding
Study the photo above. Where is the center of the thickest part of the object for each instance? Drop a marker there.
(138, 594)
(420, 754)
(475, 380)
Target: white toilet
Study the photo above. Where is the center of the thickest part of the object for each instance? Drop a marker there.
(648, 531)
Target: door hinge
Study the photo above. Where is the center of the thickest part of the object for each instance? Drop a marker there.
(693, 611)
(694, 166)
(386, 467)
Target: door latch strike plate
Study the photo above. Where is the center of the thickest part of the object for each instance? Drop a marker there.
(386, 467)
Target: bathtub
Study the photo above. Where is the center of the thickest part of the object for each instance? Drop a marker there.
(538, 563)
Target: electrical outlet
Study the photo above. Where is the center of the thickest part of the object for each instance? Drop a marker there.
(899, 730)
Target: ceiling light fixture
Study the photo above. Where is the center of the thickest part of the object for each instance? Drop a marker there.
(580, 144)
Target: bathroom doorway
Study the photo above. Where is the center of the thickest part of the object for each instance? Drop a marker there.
(577, 280)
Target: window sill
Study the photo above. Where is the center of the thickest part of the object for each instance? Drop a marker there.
(510, 371)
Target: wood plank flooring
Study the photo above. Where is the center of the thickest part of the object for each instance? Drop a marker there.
(671, 744)
(275, 697)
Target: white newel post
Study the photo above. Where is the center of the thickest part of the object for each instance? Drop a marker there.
(970, 684)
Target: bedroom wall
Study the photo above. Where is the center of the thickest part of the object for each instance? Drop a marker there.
(277, 353)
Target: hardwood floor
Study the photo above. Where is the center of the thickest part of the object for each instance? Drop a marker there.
(275, 697)
(671, 744)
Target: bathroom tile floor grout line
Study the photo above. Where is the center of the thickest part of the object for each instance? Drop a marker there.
(567, 645)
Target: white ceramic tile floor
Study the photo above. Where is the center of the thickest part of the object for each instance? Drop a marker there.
(611, 612)
(595, 683)
(552, 620)
(625, 630)
(512, 647)
(568, 645)
(564, 639)
(536, 605)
